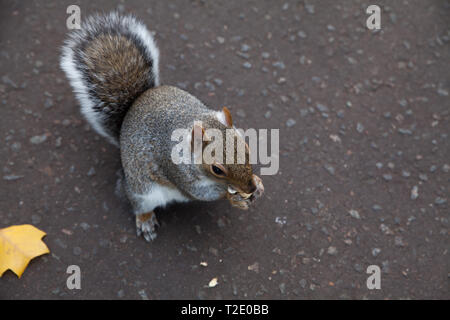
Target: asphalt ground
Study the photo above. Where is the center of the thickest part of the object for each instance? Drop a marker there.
(364, 154)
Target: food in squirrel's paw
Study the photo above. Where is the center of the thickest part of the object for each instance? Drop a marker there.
(242, 194)
(236, 196)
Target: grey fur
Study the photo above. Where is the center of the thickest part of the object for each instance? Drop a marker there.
(106, 88)
(146, 144)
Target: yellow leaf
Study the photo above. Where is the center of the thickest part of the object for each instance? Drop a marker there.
(18, 245)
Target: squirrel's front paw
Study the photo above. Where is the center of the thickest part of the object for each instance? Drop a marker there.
(243, 200)
(146, 225)
(238, 201)
(259, 187)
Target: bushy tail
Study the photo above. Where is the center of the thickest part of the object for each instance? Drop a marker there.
(110, 62)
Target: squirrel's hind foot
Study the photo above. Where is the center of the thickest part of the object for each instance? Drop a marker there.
(146, 226)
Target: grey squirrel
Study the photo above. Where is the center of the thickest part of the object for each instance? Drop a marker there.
(112, 65)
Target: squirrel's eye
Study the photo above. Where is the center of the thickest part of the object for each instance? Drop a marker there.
(217, 171)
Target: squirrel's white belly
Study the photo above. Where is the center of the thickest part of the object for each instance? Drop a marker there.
(159, 196)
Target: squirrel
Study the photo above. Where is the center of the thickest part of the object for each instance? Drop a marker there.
(112, 63)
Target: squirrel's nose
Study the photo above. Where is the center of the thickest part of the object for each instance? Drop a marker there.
(251, 186)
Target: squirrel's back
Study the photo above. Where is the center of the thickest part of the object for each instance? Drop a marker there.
(110, 62)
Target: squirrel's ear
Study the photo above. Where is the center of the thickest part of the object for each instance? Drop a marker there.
(198, 135)
(227, 117)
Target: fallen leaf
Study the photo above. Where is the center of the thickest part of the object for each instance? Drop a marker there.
(18, 245)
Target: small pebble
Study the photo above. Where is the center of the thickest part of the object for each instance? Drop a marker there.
(12, 177)
(355, 214)
(247, 65)
(38, 139)
(16, 146)
(48, 103)
(358, 267)
(330, 169)
(91, 172)
(332, 251)
(406, 174)
(143, 295)
(301, 34)
(359, 127)
(85, 226)
(376, 207)
(376, 251)
(279, 64)
(322, 108)
(245, 47)
(77, 251)
(309, 8)
(399, 241)
(290, 123)
(414, 193)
